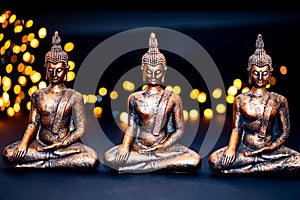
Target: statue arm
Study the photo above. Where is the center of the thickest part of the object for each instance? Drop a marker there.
(179, 122)
(285, 123)
(230, 153)
(31, 129)
(34, 122)
(80, 120)
(123, 152)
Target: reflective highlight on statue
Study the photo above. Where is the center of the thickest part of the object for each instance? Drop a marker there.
(155, 125)
(52, 137)
(261, 126)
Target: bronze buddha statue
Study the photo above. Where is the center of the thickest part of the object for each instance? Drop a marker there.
(52, 137)
(261, 126)
(155, 125)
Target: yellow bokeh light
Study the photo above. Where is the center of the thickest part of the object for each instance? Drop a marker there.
(128, 86)
(34, 43)
(12, 18)
(71, 64)
(30, 36)
(125, 83)
(10, 111)
(9, 68)
(208, 113)
(69, 47)
(237, 83)
(194, 94)
(144, 87)
(217, 93)
(2, 18)
(7, 44)
(177, 89)
(42, 33)
(245, 89)
(5, 97)
(16, 49)
(22, 80)
(23, 47)
(17, 107)
(42, 85)
(35, 77)
(232, 90)
(193, 114)
(221, 108)
(124, 117)
(6, 81)
(98, 111)
(169, 87)
(28, 105)
(17, 89)
(1, 36)
(2, 50)
(28, 70)
(91, 98)
(185, 115)
(229, 99)
(7, 104)
(32, 59)
(29, 23)
(26, 56)
(18, 29)
(114, 95)
(70, 76)
(201, 97)
(1, 102)
(85, 98)
(102, 91)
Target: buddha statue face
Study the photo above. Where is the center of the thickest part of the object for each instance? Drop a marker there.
(154, 75)
(55, 72)
(260, 76)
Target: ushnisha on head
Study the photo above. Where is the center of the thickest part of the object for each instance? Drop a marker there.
(153, 62)
(260, 58)
(56, 54)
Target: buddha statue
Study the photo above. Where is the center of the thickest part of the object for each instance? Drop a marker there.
(261, 126)
(57, 121)
(155, 125)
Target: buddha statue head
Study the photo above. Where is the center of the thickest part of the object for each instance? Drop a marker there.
(259, 61)
(153, 63)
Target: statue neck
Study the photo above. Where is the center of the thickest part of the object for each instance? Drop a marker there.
(57, 87)
(259, 91)
(153, 89)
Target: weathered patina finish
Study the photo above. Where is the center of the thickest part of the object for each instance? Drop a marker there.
(261, 126)
(52, 137)
(155, 125)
